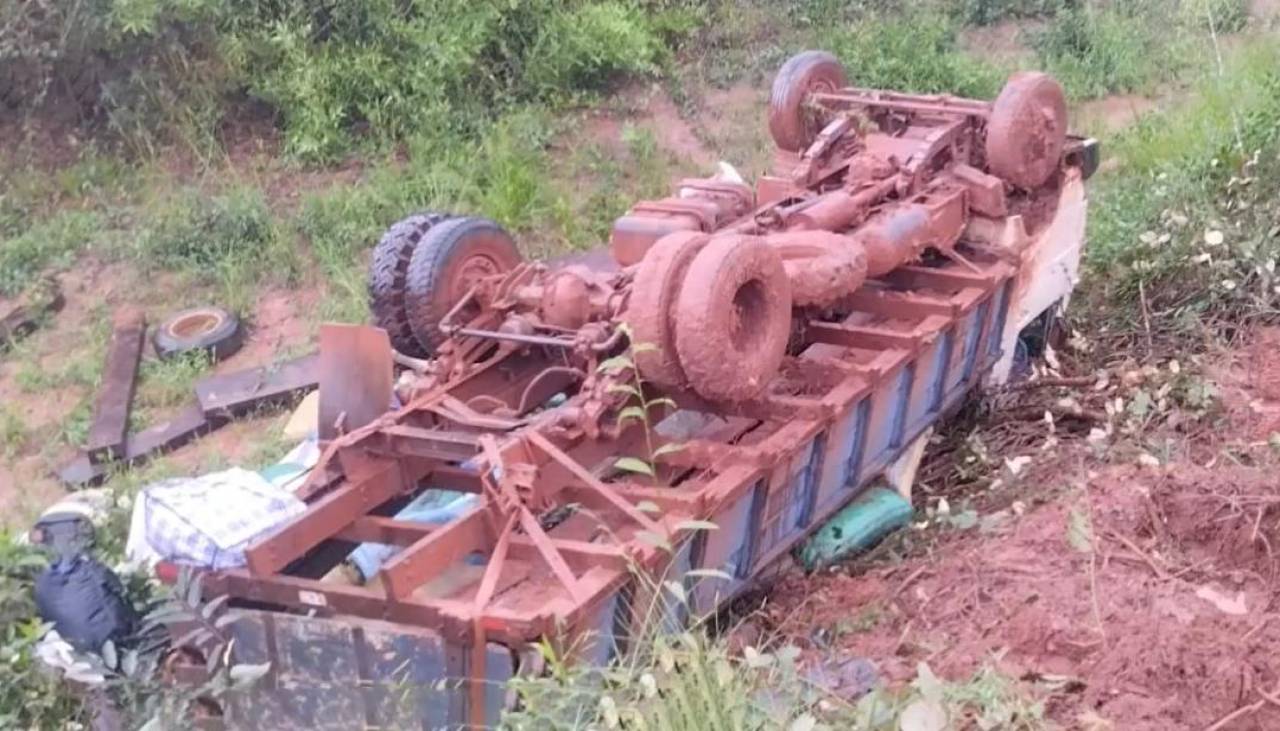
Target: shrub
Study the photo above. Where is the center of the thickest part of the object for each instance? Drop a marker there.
(1096, 51)
(1211, 164)
(914, 50)
(580, 49)
(334, 72)
(986, 12)
(1096, 48)
(200, 232)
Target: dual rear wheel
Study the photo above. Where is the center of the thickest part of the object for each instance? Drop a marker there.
(423, 265)
(710, 313)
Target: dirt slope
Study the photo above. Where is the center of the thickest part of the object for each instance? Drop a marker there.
(1142, 595)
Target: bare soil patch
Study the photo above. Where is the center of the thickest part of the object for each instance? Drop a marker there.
(1113, 113)
(1144, 596)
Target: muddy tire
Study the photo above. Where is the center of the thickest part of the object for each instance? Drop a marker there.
(387, 270)
(213, 330)
(1027, 130)
(449, 259)
(792, 124)
(653, 296)
(733, 318)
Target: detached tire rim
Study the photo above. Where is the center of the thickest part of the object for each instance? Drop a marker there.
(194, 325)
(212, 330)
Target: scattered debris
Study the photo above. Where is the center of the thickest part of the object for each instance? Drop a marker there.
(859, 526)
(304, 420)
(849, 678)
(108, 430)
(85, 602)
(165, 436)
(69, 526)
(236, 394)
(21, 316)
(206, 521)
(219, 398)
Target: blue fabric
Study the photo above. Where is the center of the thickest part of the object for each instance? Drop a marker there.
(432, 506)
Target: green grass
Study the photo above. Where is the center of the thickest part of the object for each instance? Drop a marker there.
(915, 49)
(165, 385)
(1096, 49)
(13, 431)
(49, 243)
(1206, 164)
(685, 682)
(232, 240)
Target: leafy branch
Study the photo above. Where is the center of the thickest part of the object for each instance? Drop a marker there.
(639, 408)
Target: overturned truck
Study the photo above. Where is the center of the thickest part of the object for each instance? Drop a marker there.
(748, 357)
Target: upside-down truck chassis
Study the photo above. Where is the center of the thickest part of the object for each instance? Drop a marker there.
(759, 353)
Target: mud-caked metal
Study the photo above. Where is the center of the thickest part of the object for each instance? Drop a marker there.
(784, 343)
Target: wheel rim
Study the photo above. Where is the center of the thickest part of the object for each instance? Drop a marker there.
(194, 325)
(810, 112)
(471, 272)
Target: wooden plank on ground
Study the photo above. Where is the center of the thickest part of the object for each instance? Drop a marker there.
(239, 393)
(154, 440)
(110, 424)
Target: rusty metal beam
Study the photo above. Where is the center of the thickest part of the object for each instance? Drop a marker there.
(106, 440)
(435, 551)
(323, 520)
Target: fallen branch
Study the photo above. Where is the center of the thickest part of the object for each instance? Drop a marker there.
(1066, 382)
(1246, 710)
(1036, 413)
(1161, 572)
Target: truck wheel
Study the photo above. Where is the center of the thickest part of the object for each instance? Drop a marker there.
(653, 296)
(733, 318)
(210, 329)
(1027, 130)
(792, 123)
(450, 259)
(387, 269)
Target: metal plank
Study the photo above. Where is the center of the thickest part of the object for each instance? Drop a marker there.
(186, 425)
(323, 520)
(238, 393)
(902, 305)
(107, 431)
(435, 551)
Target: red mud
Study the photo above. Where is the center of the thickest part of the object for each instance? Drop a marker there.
(1167, 622)
(1249, 382)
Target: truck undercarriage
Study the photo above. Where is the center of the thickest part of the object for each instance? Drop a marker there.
(687, 409)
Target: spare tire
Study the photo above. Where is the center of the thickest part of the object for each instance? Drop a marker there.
(792, 124)
(447, 262)
(654, 292)
(733, 318)
(1027, 130)
(388, 268)
(213, 330)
